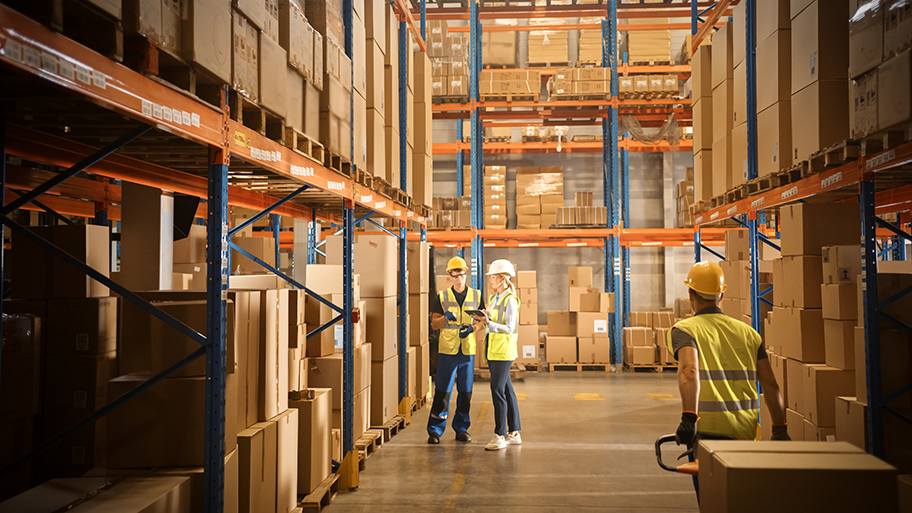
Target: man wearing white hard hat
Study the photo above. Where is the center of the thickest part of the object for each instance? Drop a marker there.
(502, 325)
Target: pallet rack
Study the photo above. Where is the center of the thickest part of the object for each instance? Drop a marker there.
(167, 140)
(832, 185)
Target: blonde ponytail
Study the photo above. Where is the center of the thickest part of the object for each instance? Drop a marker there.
(510, 285)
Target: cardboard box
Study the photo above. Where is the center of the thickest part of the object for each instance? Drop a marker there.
(561, 323)
(722, 55)
(640, 337)
(723, 100)
(820, 45)
(863, 101)
(81, 326)
(774, 57)
(382, 327)
(560, 349)
(802, 288)
(814, 433)
(820, 117)
(795, 423)
(822, 384)
(894, 80)
(721, 154)
(772, 16)
(701, 66)
(803, 329)
(703, 175)
(774, 138)
(42, 276)
(152, 493)
(780, 371)
(739, 95)
(825, 476)
(894, 364)
(141, 434)
(866, 40)
(579, 276)
(839, 301)
(897, 28)
(703, 124)
(639, 355)
(807, 227)
(384, 390)
(419, 317)
(852, 422)
(527, 344)
(206, 36)
(257, 452)
(840, 343)
(314, 442)
(589, 324)
(640, 319)
(576, 294)
(169, 346)
(594, 348)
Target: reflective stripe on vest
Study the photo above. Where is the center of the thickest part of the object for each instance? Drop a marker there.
(449, 341)
(502, 346)
(728, 402)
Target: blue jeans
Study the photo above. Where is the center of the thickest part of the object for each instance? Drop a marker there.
(506, 409)
(452, 368)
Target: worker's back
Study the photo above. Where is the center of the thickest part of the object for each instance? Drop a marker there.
(728, 351)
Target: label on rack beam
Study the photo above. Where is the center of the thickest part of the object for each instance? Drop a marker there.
(377, 204)
(32, 57)
(195, 119)
(67, 70)
(714, 216)
(528, 244)
(340, 186)
(83, 74)
(687, 244)
(147, 108)
(367, 199)
(99, 80)
(756, 203)
(732, 211)
(577, 244)
(791, 192)
(185, 117)
(176, 116)
(656, 243)
(486, 244)
(699, 219)
(306, 172)
(831, 180)
(13, 50)
(397, 213)
(49, 63)
(156, 111)
(881, 159)
(166, 114)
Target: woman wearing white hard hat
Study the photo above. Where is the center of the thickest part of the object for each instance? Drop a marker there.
(502, 327)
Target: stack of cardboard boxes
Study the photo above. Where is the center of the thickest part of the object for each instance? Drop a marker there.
(580, 334)
(452, 212)
(657, 86)
(449, 61)
(539, 193)
(736, 303)
(419, 317)
(645, 340)
(684, 198)
(303, 73)
(774, 107)
(527, 345)
(421, 182)
(590, 42)
(548, 46)
(495, 197)
(648, 45)
(813, 364)
(583, 214)
(567, 82)
(510, 83)
(499, 47)
(336, 96)
(722, 109)
(702, 102)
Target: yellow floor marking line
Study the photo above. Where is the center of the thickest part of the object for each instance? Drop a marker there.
(465, 462)
(663, 397)
(521, 396)
(588, 397)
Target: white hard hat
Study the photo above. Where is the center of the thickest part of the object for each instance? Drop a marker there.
(501, 267)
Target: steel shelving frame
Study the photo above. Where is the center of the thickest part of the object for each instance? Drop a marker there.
(834, 185)
(122, 99)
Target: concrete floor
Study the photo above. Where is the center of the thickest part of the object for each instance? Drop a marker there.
(587, 444)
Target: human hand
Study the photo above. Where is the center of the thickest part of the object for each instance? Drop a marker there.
(450, 316)
(687, 429)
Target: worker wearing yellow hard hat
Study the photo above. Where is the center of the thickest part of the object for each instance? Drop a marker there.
(456, 353)
(720, 361)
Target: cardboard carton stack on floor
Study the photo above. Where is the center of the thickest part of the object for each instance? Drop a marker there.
(580, 334)
(527, 344)
(539, 193)
(648, 45)
(644, 340)
(514, 83)
(820, 50)
(702, 91)
(736, 303)
(419, 315)
(684, 198)
(774, 107)
(722, 109)
(879, 64)
(807, 357)
(548, 46)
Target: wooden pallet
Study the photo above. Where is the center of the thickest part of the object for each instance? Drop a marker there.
(587, 138)
(579, 367)
(834, 156)
(367, 442)
(256, 118)
(418, 403)
(759, 184)
(400, 197)
(792, 174)
(533, 367)
(659, 368)
(652, 63)
(736, 194)
(717, 201)
(337, 163)
(500, 66)
(363, 178)
(422, 210)
(884, 140)
(578, 97)
(78, 20)
(301, 143)
(560, 64)
(322, 495)
(589, 64)
(448, 98)
(509, 97)
(381, 187)
(391, 427)
(517, 373)
(547, 139)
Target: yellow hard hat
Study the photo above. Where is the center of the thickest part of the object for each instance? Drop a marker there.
(456, 263)
(706, 278)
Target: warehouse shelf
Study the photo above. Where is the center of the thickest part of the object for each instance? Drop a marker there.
(569, 104)
(555, 147)
(578, 26)
(624, 11)
(573, 237)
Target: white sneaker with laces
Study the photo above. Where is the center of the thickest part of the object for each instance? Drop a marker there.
(497, 443)
(513, 438)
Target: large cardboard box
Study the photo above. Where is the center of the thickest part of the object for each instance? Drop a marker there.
(423, 372)
(639, 355)
(640, 337)
(703, 124)
(723, 100)
(820, 44)
(840, 343)
(772, 15)
(703, 175)
(802, 288)
(326, 372)
(839, 301)
(814, 476)
(852, 422)
(273, 356)
(721, 177)
(245, 79)
(820, 117)
(774, 57)
(418, 267)
(738, 163)
(780, 371)
(807, 227)
(560, 349)
(261, 247)
(701, 66)
(257, 451)
(561, 323)
(739, 95)
(145, 433)
(384, 390)
(169, 346)
(206, 36)
(39, 275)
(527, 344)
(895, 366)
(866, 40)
(382, 327)
(774, 138)
(133, 493)
(894, 81)
(803, 329)
(722, 55)
(579, 276)
(822, 384)
(81, 326)
(314, 449)
(419, 319)
(591, 323)
(595, 348)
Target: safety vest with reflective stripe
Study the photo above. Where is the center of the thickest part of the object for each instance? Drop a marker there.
(502, 346)
(449, 334)
(728, 402)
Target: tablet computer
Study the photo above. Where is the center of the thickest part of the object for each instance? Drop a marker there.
(477, 313)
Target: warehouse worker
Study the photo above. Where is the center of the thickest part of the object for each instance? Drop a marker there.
(502, 326)
(456, 353)
(720, 359)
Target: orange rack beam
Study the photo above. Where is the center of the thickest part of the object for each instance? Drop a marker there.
(566, 147)
(459, 107)
(574, 237)
(720, 8)
(577, 26)
(625, 11)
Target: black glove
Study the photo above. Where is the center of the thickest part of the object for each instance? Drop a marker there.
(687, 429)
(465, 331)
(781, 433)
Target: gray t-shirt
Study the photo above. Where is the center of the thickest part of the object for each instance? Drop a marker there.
(680, 338)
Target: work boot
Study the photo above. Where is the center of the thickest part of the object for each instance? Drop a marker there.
(463, 437)
(433, 439)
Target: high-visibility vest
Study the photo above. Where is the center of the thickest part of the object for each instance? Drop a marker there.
(449, 335)
(728, 403)
(502, 346)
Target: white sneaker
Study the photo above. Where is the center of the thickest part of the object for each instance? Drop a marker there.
(513, 438)
(497, 443)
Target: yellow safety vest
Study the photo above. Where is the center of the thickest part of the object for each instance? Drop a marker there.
(449, 334)
(502, 346)
(728, 403)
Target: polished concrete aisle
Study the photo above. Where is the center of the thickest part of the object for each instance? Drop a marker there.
(587, 445)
